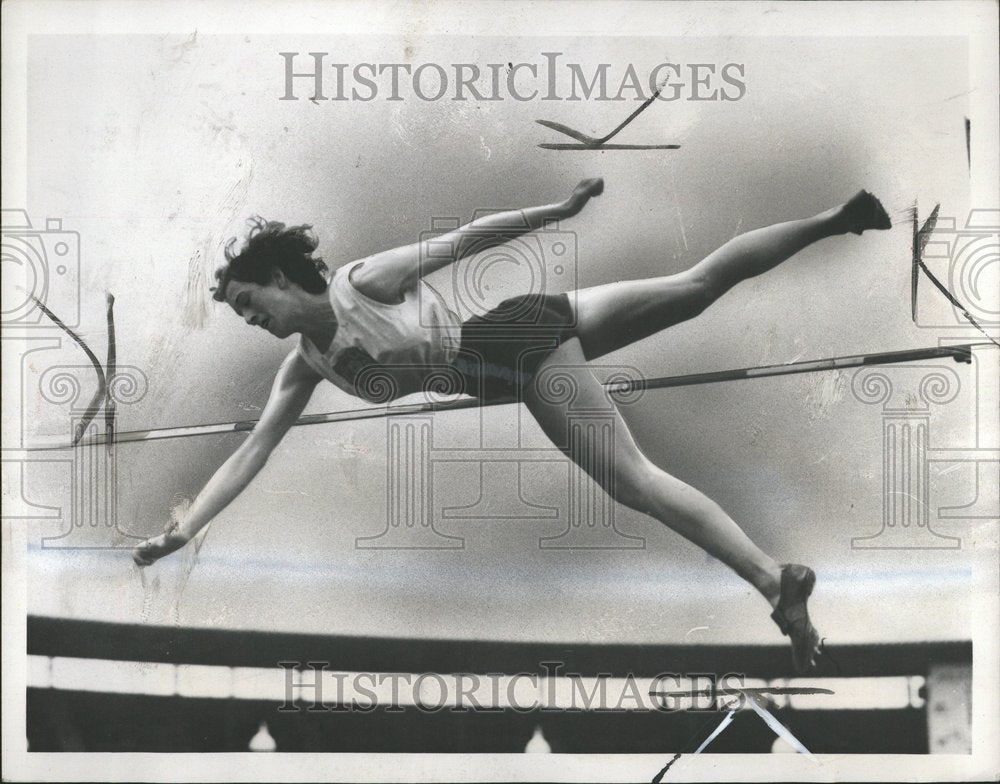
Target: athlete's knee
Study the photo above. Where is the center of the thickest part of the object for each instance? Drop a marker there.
(703, 286)
(634, 479)
(709, 286)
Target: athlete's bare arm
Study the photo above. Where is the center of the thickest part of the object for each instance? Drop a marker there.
(387, 276)
(293, 386)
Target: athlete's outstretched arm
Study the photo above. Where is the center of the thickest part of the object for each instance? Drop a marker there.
(387, 276)
(290, 393)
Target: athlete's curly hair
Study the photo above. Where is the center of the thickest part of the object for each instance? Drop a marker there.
(268, 245)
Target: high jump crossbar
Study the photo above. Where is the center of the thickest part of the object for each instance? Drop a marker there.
(960, 353)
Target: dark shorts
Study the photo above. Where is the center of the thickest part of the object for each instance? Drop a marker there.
(501, 350)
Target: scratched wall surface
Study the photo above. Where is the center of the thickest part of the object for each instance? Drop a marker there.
(173, 141)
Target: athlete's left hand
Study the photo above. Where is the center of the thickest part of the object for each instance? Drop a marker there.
(154, 549)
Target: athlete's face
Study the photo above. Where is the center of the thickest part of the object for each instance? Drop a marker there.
(272, 307)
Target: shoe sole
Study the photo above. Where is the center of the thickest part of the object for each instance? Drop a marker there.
(806, 581)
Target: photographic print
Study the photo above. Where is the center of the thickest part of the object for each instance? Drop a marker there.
(529, 391)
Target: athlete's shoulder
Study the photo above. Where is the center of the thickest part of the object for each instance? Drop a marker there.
(375, 281)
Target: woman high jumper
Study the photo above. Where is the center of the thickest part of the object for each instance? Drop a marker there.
(376, 330)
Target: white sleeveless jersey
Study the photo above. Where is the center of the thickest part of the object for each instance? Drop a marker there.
(381, 352)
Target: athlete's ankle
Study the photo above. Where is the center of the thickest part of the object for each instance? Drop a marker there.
(863, 212)
(769, 585)
(834, 221)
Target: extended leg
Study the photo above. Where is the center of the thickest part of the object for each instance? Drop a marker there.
(615, 315)
(633, 480)
(628, 476)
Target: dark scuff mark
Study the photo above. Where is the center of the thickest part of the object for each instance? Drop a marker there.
(968, 143)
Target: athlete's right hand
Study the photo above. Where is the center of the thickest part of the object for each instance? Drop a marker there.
(154, 549)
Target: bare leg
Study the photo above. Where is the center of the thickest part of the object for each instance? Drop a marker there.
(633, 480)
(612, 316)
